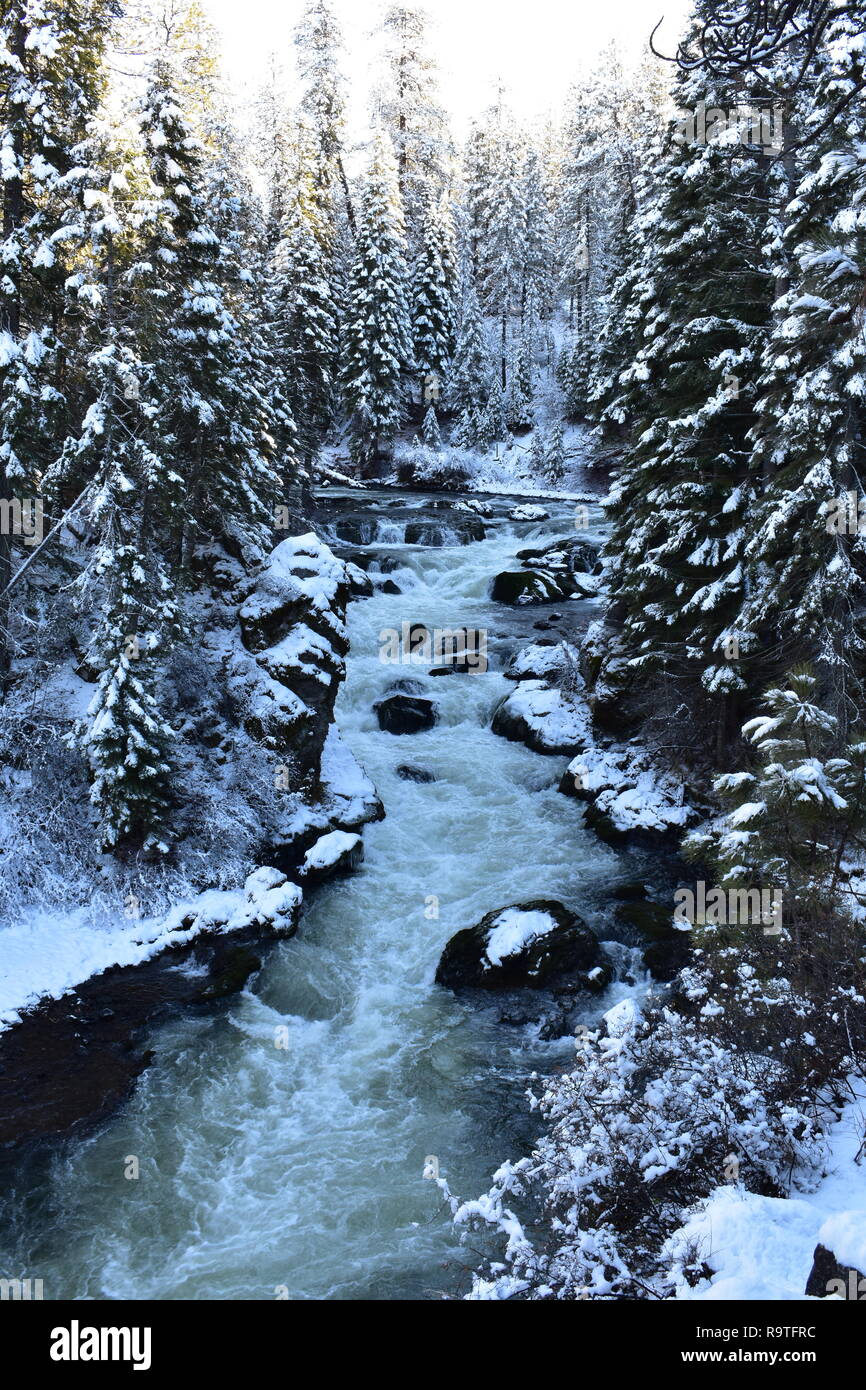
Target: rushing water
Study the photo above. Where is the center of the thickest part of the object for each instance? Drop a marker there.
(297, 1171)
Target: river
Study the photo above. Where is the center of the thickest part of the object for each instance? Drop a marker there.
(296, 1171)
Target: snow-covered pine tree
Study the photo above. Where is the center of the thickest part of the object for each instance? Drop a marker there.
(554, 452)
(304, 311)
(521, 385)
(537, 454)
(469, 376)
(377, 348)
(432, 297)
(539, 260)
(52, 79)
(319, 41)
(212, 414)
(463, 435)
(408, 109)
(126, 740)
(807, 549)
(115, 461)
(272, 144)
(678, 519)
(430, 430)
(795, 822)
(500, 226)
(572, 373)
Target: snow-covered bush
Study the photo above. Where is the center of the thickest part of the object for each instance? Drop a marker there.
(433, 468)
(655, 1114)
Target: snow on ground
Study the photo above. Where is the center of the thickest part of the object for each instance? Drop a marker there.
(46, 954)
(49, 954)
(513, 931)
(762, 1247)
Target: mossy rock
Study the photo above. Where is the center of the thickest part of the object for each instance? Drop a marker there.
(519, 587)
(233, 969)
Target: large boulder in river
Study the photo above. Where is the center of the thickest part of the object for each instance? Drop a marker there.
(519, 587)
(536, 945)
(404, 709)
(546, 719)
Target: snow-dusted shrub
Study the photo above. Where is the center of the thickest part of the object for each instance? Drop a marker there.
(434, 468)
(655, 1114)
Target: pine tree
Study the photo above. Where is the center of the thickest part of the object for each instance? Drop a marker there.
(318, 40)
(409, 111)
(807, 550)
(537, 291)
(484, 425)
(52, 80)
(554, 453)
(678, 538)
(432, 296)
(537, 454)
(500, 227)
(469, 377)
(304, 313)
(464, 434)
(212, 412)
(430, 432)
(795, 822)
(521, 387)
(125, 739)
(378, 347)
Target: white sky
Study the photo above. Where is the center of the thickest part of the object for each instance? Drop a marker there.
(536, 47)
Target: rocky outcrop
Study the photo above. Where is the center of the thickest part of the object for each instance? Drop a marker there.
(567, 568)
(293, 628)
(533, 945)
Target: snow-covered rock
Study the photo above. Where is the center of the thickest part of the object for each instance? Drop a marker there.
(337, 852)
(630, 797)
(536, 944)
(528, 511)
(546, 719)
(544, 661)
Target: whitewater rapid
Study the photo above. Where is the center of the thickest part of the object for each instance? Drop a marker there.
(296, 1172)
